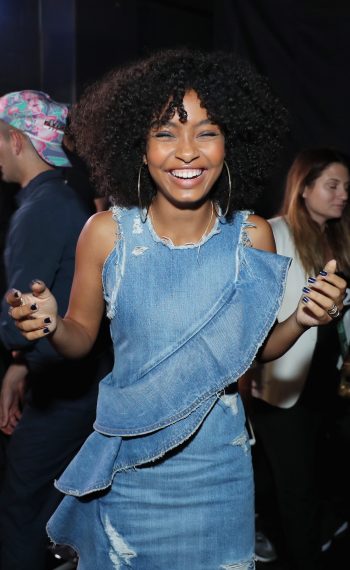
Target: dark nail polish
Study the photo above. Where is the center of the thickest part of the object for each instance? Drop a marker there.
(47, 320)
(34, 307)
(306, 299)
(312, 280)
(46, 330)
(323, 273)
(306, 290)
(16, 294)
(35, 281)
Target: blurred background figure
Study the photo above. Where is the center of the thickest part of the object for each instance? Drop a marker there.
(47, 405)
(7, 207)
(300, 415)
(77, 175)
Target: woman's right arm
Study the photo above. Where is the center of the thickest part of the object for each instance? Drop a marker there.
(74, 335)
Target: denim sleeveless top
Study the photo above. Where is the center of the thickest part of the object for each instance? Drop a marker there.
(186, 322)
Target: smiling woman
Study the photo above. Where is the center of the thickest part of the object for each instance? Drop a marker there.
(185, 159)
(239, 105)
(181, 141)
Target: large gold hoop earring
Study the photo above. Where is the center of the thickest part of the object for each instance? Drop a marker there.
(141, 208)
(224, 214)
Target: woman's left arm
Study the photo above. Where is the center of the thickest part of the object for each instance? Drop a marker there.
(327, 290)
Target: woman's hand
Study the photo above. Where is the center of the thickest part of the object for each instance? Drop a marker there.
(322, 298)
(34, 313)
(323, 294)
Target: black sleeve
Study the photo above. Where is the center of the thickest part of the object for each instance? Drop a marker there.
(33, 250)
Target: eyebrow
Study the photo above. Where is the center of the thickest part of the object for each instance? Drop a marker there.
(200, 124)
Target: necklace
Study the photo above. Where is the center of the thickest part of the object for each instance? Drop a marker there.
(190, 243)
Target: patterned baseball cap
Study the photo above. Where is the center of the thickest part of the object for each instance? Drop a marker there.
(39, 117)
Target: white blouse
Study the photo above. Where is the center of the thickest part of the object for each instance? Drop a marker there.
(281, 381)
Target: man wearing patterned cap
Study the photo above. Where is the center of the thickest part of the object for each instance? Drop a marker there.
(40, 119)
(47, 405)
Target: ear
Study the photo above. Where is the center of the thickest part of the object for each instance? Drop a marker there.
(144, 159)
(305, 192)
(16, 141)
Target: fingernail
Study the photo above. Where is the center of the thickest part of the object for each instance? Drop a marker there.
(306, 299)
(36, 281)
(46, 330)
(306, 290)
(323, 273)
(34, 307)
(47, 320)
(16, 294)
(312, 280)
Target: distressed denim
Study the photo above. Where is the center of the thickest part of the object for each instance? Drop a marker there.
(192, 509)
(186, 322)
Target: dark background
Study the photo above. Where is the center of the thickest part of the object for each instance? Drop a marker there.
(60, 46)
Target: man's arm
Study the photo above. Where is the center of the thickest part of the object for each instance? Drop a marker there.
(34, 247)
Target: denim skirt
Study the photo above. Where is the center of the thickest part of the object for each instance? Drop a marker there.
(191, 510)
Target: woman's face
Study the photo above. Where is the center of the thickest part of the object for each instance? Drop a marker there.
(326, 198)
(186, 159)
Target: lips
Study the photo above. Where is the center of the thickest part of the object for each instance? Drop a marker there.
(186, 173)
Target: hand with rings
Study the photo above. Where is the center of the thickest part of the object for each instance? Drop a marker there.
(322, 299)
(34, 313)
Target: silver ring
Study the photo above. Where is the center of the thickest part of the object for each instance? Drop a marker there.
(22, 302)
(333, 311)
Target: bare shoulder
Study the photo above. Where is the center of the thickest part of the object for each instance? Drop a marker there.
(99, 235)
(101, 222)
(260, 233)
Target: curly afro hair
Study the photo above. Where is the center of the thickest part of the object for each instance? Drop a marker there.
(111, 122)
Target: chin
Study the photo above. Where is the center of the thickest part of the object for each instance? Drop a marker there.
(189, 198)
(190, 204)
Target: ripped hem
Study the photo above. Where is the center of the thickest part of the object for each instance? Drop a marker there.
(63, 542)
(244, 565)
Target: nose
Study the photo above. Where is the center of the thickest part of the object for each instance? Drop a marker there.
(187, 150)
(343, 193)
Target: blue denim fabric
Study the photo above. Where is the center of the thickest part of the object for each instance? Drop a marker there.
(185, 322)
(192, 510)
(188, 332)
(170, 456)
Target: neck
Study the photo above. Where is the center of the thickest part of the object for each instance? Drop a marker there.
(182, 227)
(30, 165)
(31, 173)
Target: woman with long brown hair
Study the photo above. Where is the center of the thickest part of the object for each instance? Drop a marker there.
(296, 405)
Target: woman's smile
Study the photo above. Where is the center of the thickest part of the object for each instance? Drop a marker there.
(185, 159)
(187, 173)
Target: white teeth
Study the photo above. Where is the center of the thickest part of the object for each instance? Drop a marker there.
(187, 173)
